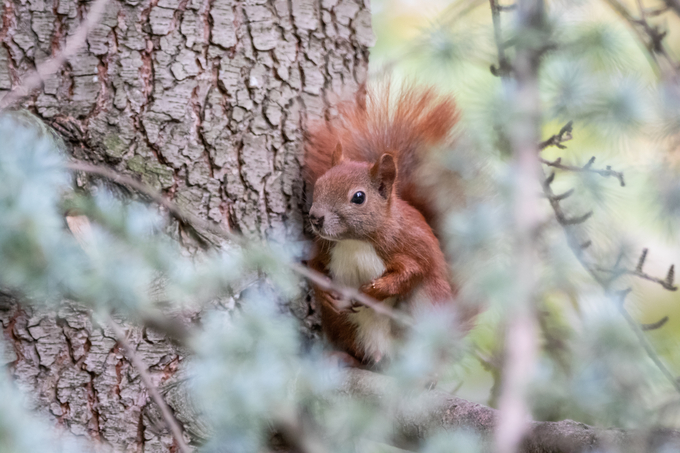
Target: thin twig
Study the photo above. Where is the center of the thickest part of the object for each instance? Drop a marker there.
(617, 271)
(348, 293)
(180, 214)
(654, 325)
(153, 391)
(51, 66)
(656, 46)
(564, 135)
(674, 5)
(661, 282)
(503, 67)
(578, 248)
(587, 168)
(201, 226)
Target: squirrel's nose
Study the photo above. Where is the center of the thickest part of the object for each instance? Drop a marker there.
(316, 221)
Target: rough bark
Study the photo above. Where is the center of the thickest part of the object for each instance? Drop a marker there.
(75, 373)
(203, 99)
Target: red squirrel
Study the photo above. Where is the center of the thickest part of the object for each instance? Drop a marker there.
(369, 216)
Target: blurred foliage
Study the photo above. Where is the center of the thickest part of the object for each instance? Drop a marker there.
(252, 370)
(599, 74)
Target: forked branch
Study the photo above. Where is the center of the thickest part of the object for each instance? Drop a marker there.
(667, 283)
(652, 36)
(563, 135)
(587, 168)
(579, 247)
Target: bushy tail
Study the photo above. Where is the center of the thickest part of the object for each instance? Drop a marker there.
(404, 122)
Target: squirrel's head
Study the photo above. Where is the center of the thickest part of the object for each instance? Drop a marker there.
(352, 199)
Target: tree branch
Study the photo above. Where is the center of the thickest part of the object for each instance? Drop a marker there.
(656, 46)
(503, 67)
(563, 135)
(607, 172)
(417, 416)
(578, 247)
(153, 391)
(674, 5)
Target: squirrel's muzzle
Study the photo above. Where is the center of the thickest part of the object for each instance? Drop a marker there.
(316, 221)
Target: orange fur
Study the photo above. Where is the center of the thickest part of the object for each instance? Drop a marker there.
(377, 121)
(375, 145)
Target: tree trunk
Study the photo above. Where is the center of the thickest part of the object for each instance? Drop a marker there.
(205, 100)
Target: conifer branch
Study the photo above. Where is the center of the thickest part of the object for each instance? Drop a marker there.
(667, 283)
(563, 135)
(652, 36)
(607, 172)
(579, 247)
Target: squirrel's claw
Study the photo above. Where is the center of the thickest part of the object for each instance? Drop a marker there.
(352, 307)
(340, 305)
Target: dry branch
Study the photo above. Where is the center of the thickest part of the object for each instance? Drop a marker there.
(666, 283)
(618, 297)
(607, 172)
(654, 42)
(563, 135)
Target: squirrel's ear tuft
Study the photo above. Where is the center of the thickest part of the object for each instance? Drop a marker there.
(337, 155)
(383, 174)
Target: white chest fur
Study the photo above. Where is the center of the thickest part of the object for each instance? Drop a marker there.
(354, 263)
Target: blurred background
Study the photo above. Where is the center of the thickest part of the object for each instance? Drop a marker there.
(624, 114)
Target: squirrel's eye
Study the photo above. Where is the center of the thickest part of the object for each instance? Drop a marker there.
(359, 198)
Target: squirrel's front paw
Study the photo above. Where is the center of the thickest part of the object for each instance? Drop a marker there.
(352, 306)
(342, 305)
(372, 289)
